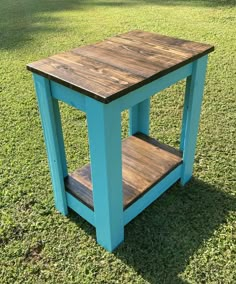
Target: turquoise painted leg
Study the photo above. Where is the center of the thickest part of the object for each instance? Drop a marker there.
(49, 114)
(191, 116)
(185, 111)
(104, 128)
(139, 117)
(60, 136)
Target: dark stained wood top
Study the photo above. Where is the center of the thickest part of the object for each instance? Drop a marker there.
(110, 69)
(145, 162)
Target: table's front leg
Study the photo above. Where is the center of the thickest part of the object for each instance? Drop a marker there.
(104, 128)
(191, 116)
(51, 123)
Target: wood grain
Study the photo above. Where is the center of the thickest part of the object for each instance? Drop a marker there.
(110, 69)
(145, 161)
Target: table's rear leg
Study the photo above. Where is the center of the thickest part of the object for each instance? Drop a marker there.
(50, 116)
(139, 118)
(104, 128)
(191, 116)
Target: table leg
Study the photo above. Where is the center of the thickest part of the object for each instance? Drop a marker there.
(60, 136)
(139, 118)
(191, 116)
(104, 128)
(51, 124)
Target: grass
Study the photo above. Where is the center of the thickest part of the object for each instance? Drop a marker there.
(186, 236)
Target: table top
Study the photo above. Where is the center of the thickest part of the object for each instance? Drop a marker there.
(112, 68)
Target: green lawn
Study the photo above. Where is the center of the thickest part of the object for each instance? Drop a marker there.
(186, 236)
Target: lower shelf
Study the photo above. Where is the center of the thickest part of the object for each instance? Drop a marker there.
(145, 162)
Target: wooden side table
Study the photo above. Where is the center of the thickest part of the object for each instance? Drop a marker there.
(102, 80)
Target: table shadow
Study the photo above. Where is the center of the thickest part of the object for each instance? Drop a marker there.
(160, 242)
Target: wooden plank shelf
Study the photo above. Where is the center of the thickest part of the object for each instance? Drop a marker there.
(145, 161)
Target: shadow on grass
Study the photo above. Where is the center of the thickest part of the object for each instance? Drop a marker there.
(21, 20)
(160, 242)
(189, 3)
